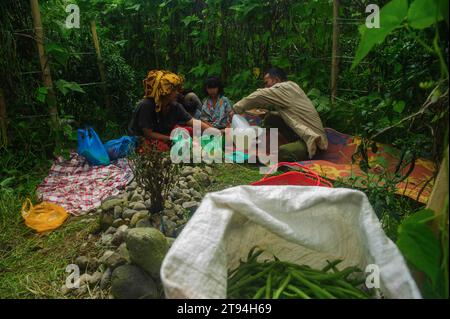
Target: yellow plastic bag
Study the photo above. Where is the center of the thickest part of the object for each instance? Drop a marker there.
(44, 216)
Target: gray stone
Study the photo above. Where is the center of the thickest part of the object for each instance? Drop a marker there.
(118, 212)
(147, 248)
(105, 240)
(111, 230)
(106, 221)
(137, 197)
(169, 226)
(110, 203)
(95, 278)
(112, 259)
(190, 205)
(130, 194)
(143, 223)
(178, 208)
(194, 185)
(137, 217)
(208, 170)
(183, 185)
(105, 256)
(181, 213)
(139, 206)
(106, 279)
(181, 222)
(118, 222)
(120, 235)
(130, 282)
(202, 178)
(123, 251)
(195, 193)
(169, 213)
(82, 262)
(131, 187)
(128, 213)
(148, 203)
(179, 201)
(168, 204)
(84, 279)
(187, 170)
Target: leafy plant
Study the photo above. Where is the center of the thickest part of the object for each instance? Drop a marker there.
(156, 174)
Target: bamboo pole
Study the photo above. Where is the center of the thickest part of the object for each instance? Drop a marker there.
(3, 127)
(101, 66)
(335, 51)
(43, 59)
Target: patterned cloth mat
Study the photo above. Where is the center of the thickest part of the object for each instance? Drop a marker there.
(79, 187)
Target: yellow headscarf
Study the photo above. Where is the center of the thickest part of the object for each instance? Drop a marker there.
(159, 83)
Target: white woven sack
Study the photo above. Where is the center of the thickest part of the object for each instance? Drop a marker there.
(302, 224)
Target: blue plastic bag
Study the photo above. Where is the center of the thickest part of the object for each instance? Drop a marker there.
(91, 147)
(120, 147)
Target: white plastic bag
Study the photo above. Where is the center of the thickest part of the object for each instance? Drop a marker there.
(242, 130)
(302, 224)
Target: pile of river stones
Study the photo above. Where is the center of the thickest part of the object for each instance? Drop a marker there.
(133, 242)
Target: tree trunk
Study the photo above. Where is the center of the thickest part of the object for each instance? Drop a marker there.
(101, 66)
(335, 52)
(45, 68)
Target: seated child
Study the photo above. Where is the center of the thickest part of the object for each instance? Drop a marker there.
(217, 109)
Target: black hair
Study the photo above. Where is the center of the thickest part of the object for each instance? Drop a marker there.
(275, 72)
(213, 82)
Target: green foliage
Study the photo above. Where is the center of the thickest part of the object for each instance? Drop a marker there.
(423, 13)
(418, 243)
(391, 17)
(423, 250)
(65, 87)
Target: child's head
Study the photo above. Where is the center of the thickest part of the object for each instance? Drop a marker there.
(213, 86)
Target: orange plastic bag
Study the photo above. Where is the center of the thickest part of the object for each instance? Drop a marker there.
(44, 216)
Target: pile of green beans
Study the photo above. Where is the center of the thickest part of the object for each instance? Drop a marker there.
(277, 279)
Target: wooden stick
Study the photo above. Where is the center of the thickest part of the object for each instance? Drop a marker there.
(3, 127)
(45, 68)
(335, 49)
(101, 66)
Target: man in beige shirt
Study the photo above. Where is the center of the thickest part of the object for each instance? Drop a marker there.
(296, 118)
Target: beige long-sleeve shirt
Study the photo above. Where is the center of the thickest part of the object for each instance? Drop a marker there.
(295, 109)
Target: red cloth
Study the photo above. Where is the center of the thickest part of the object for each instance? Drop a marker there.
(79, 187)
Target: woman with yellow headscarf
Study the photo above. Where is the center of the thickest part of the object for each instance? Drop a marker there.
(158, 113)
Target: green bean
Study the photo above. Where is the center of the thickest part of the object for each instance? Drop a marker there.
(299, 292)
(251, 278)
(259, 293)
(331, 276)
(346, 292)
(342, 283)
(319, 292)
(331, 265)
(278, 292)
(268, 285)
(243, 271)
